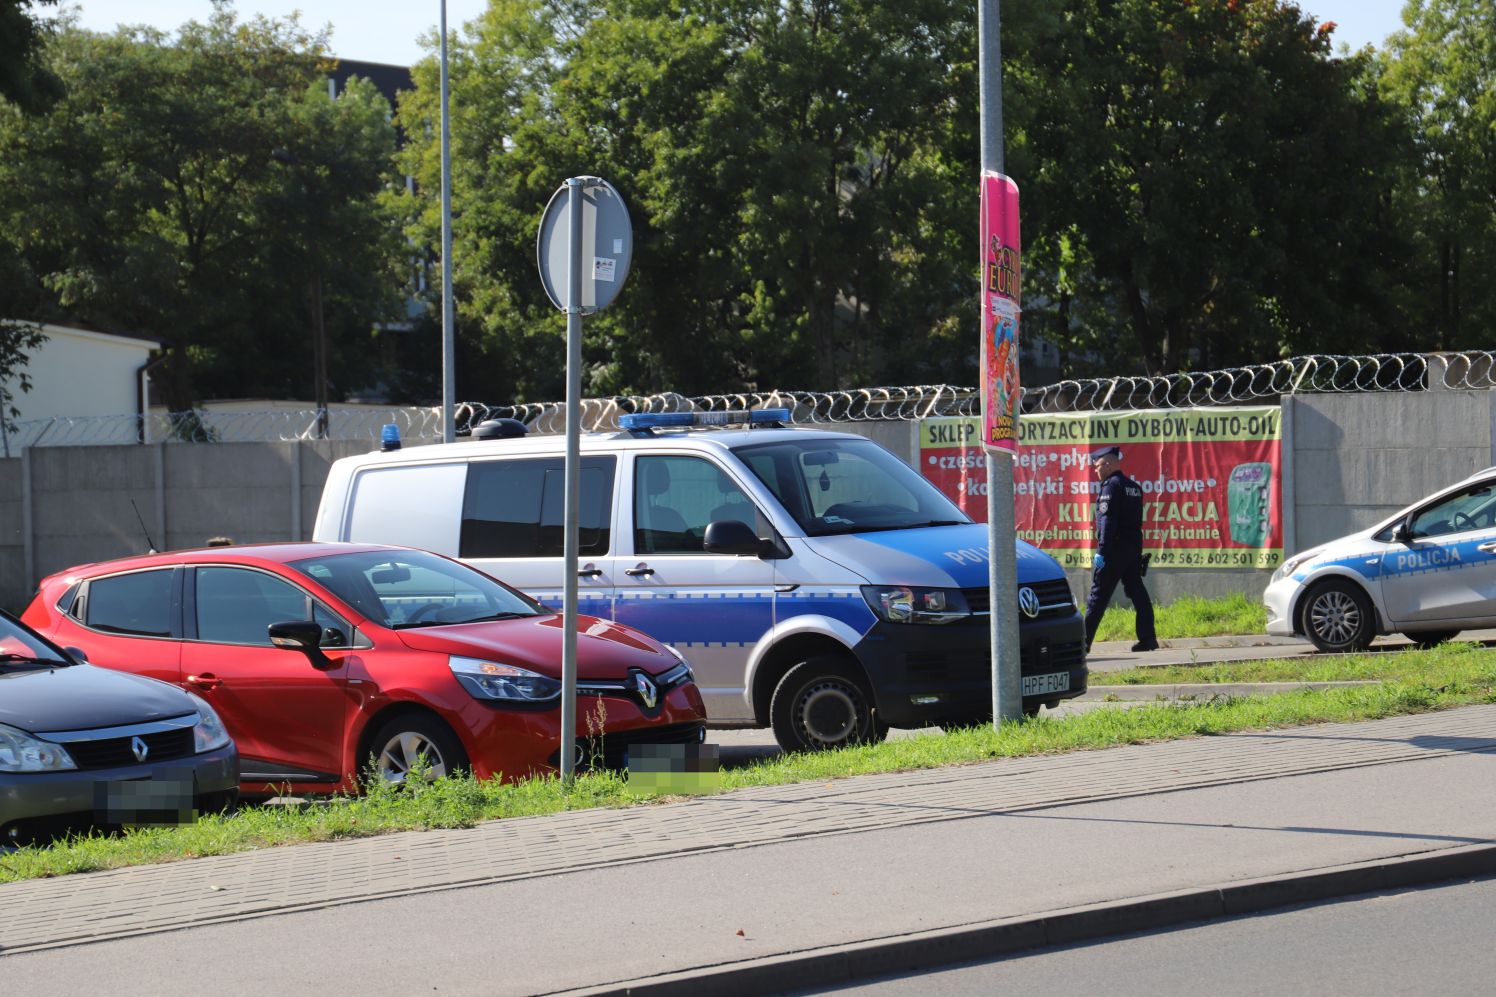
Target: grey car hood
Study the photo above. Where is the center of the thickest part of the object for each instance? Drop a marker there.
(81, 697)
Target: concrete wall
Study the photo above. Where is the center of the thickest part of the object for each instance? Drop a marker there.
(1349, 460)
(1359, 458)
(61, 506)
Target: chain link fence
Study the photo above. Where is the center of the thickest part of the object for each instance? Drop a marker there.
(1231, 386)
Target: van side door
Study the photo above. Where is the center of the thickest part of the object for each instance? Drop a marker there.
(513, 527)
(713, 608)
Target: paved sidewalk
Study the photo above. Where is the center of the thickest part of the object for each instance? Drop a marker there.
(833, 818)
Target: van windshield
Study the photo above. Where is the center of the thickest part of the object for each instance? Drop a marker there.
(832, 486)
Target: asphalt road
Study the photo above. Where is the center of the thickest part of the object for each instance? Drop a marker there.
(1435, 940)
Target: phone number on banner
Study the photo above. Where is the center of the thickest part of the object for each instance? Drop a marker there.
(1075, 557)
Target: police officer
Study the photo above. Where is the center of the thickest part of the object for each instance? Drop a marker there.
(1119, 548)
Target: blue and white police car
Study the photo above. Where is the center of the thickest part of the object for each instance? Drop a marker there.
(815, 582)
(1427, 572)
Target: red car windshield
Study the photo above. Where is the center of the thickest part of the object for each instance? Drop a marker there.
(410, 588)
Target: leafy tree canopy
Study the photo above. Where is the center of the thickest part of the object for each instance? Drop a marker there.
(190, 188)
(1441, 71)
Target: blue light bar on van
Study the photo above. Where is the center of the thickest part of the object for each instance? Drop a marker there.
(662, 420)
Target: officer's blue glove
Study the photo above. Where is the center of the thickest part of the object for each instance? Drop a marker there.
(1098, 562)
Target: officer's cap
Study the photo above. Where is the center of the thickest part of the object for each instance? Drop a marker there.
(1100, 452)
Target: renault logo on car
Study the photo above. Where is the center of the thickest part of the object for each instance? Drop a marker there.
(139, 748)
(649, 694)
(1028, 601)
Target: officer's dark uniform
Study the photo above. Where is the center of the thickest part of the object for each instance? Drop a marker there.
(1119, 541)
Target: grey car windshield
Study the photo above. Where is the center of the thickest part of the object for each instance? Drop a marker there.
(847, 486)
(401, 589)
(19, 648)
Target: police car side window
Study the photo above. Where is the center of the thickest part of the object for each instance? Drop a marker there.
(516, 508)
(1472, 509)
(676, 497)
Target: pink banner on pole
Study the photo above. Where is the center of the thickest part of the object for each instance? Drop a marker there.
(1001, 308)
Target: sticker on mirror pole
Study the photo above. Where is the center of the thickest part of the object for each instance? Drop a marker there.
(602, 268)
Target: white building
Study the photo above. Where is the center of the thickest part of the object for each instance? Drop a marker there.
(79, 374)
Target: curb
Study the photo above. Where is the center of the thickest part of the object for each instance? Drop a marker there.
(898, 954)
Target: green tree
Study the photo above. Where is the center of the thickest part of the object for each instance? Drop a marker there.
(28, 86)
(1441, 70)
(783, 166)
(150, 198)
(1204, 184)
(24, 78)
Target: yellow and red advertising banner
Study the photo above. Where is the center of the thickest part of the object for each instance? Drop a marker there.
(1002, 271)
(1210, 477)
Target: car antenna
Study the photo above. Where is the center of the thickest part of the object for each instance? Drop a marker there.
(141, 519)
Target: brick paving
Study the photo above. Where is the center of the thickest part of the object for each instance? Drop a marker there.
(74, 909)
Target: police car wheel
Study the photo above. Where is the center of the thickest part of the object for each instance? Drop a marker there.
(1338, 617)
(1431, 638)
(822, 704)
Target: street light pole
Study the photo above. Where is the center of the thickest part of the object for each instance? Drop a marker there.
(449, 369)
(1007, 692)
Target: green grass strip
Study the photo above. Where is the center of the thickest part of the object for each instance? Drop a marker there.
(1413, 682)
(1452, 662)
(1189, 616)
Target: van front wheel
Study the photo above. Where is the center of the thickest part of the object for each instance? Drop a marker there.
(822, 703)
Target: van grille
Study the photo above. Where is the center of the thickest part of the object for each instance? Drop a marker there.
(1054, 598)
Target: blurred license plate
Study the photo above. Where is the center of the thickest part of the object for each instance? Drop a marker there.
(1039, 685)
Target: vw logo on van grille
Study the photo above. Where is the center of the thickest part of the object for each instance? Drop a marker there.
(139, 748)
(1028, 601)
(649, 693)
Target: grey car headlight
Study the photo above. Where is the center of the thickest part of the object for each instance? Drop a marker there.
(209, 732)
(504, 683)
(20, 752)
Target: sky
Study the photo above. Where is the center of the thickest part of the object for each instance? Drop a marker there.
(390, 30)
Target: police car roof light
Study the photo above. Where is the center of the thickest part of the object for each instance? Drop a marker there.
(660, 420)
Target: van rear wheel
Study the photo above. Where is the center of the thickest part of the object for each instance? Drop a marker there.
(823, 703)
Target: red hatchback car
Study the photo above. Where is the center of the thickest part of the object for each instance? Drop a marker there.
(320, 657)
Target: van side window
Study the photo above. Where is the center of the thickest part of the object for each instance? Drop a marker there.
(517, 508)
(137, 603)
(676, 497)
(413, 505)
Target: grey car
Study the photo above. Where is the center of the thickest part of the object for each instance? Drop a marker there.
(89, 747)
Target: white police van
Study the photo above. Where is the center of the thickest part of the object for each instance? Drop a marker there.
(816, 583)
(1428, 572)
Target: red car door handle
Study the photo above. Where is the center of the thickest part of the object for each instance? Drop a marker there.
(207, 680)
